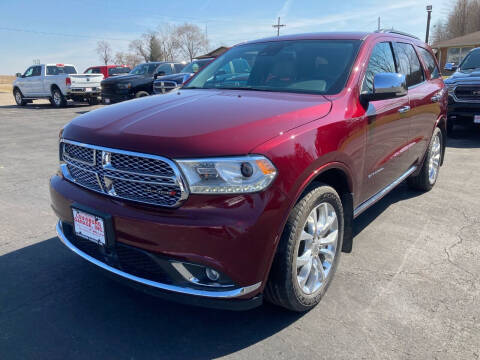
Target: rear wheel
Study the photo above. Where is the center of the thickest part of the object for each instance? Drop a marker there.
(19, 98)
(427, 177)
(58, 100)
(308, 252)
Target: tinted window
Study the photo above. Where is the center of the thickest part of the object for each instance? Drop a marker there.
(430, 63)
(408, 63)
(179, 67)
(381, 61)
(118, 70)
(56, 70)
(89, 71)
(96, 71)
(307, 66)
(166, 68)
(144, 69)
(37, 71)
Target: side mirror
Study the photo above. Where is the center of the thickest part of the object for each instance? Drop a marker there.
(387, 86)
(450, 67)
(18, 75)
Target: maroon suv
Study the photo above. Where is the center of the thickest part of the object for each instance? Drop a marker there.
(247, 180)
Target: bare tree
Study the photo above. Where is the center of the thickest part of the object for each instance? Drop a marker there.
(192, 41)
(169, 42)
(104, 51)
(463, 19)
(148, 47)
(129, 59)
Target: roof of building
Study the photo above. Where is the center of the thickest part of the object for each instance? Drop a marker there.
(469, 39)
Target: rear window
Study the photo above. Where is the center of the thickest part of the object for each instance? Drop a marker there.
(55, 70)
(430, 62)
(118, 70)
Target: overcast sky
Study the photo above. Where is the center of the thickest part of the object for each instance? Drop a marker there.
(67, 31)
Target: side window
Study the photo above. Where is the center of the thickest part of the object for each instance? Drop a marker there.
(37, 71)
(381, 61)
(29, 72)
(166, 68)
(408, 63)
(430, 62)
(179, 67)
(52, 70)
(89, 71)
(96, 71)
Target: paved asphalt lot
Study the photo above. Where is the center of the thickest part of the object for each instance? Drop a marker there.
(409, 290)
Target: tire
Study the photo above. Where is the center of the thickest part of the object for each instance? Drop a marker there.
(58, 100)
(17, 94)
(93, 101)
(427, 177)
(296, 250)
(141, 94)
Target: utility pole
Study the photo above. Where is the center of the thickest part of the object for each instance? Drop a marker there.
(429, 14)
(278, 26)
(379, 23)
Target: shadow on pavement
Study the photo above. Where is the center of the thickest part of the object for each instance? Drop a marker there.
(464, 137)
(44, 106)
(54, 305)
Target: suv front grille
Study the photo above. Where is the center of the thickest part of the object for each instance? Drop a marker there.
(122, 174)
(468, 92)
(164, 86)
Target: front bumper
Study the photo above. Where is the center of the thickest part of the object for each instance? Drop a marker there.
(235, 235)
(115, 98)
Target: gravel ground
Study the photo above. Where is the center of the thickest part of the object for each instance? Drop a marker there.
(409, 290)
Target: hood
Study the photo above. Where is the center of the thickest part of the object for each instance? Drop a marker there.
(119, 78)
(464, 76)
(178, 77)
(195, 123)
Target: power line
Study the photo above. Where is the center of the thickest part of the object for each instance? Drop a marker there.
(60, 34)
(278, 26)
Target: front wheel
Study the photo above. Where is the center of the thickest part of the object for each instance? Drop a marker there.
(19, 98)
(141, 94)
(308, 252)
(427, 177)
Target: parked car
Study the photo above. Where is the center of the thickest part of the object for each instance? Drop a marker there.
(57, 83)
(108, 70)
(166, 83)
(138, 82)
(226, 190)
(464, 91)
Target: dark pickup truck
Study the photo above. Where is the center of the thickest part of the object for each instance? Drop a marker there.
(166, 83)
(464, 91)
(138, 82)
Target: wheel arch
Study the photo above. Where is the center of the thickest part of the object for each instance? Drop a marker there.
(338, 176)
(442, 125)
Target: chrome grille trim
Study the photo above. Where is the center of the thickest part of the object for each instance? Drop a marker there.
(460, 98)
(157, 182)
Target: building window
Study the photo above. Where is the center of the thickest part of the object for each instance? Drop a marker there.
(456, 54)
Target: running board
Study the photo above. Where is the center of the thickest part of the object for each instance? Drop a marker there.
(367, 203)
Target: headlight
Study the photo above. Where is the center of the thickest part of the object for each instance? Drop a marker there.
(230, 175)
(124, 85)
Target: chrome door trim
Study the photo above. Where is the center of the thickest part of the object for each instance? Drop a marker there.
(221, 294)
(369, 202)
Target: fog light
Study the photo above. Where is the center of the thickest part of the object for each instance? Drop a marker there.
(212, 274)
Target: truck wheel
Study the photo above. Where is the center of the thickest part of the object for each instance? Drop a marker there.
(58, 100)
(93, 101)
(141, 94)
(428, 175)
(308, 251)
(19, 98)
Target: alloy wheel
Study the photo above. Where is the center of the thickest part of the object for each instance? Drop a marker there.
(317, 248)
(434, 162)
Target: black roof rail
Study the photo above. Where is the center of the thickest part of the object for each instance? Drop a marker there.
(393, 31)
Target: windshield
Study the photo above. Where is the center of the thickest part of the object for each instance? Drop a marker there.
(55, 70)
(307, 66)
(118, 70)
(472, 61)
(143, 69)
(195, 65)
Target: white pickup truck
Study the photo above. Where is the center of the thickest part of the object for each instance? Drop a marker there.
(58, 83)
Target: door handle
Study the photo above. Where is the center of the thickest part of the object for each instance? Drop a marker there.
(436, 98)
(404, 109)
